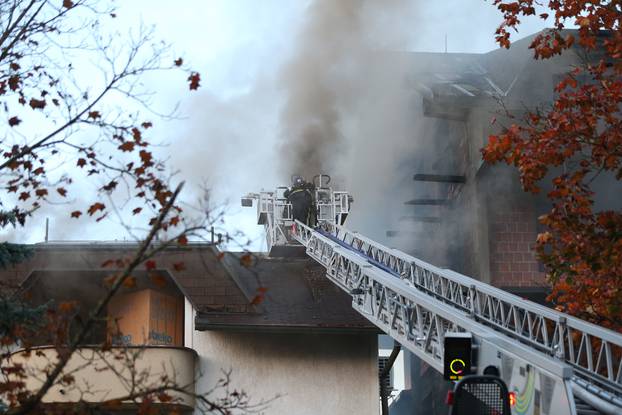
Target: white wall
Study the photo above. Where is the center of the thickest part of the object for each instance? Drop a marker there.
(314, 373)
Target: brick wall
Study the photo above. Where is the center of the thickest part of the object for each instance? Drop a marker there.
(513, 231)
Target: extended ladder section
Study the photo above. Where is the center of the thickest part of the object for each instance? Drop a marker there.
(564, 359)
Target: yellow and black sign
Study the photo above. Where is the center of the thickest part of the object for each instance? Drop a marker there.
(457, 355)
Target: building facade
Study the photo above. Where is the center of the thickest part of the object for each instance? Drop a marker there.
(459, 212)
(300, 350)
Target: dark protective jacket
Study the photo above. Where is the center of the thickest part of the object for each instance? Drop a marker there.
(301, 198)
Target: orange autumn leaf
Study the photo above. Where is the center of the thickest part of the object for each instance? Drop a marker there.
(581, 247)
(246, 260)
(194, 80)
(108, 263)
(97, 206)
(158, 280)
(129, 282)
(127, 146)
(67, 306)
(258, 299)
(110, 280)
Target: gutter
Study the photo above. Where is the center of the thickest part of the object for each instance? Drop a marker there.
(386, 371)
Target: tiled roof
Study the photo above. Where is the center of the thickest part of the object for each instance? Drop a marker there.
(298, 295)
(219, 287)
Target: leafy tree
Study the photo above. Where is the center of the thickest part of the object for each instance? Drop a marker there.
(60, 111)
(72, 104)
(576, 140)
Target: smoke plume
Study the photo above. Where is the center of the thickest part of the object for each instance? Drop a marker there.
(325, 78)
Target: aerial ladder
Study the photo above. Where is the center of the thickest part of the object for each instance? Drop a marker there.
(552, 362)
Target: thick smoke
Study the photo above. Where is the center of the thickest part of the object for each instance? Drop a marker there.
(325, 78)
(311, 80)
(349, 110)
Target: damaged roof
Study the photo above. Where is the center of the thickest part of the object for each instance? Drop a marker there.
(293, 292)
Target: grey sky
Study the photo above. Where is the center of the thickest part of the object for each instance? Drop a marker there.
(227, 136)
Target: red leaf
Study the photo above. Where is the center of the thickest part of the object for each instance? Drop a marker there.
(41, 192)
(37, 103)
(129, 282)
(145, 156)
(179, 266)
(137, 210)
(246, 260)
(108, 263)
(258, 299)
(182, 240)
(81, 162)
(24, 195)
(14, 82)
(158, 280)
(68, 4)
(109, 280)
(67, 306)
(127, 146)
(94, 115)
(76, 214)
(150, 265)
(194, 80)
(110, 186)
(147, 124)
(61, 191)
(179, 62)
(95, 207)
(13, 121)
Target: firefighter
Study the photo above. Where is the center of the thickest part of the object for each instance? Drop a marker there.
(301, 198)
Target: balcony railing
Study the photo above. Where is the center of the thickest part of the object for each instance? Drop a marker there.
(112, 375)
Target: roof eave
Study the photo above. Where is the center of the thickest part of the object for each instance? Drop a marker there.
(202, 323)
